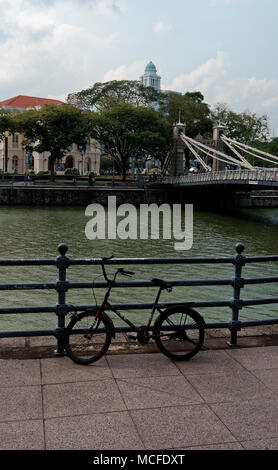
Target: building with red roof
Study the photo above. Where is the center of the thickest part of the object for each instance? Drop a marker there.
(15, 159)
(22, 102)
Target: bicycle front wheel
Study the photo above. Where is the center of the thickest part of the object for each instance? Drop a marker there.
(179, 333)
(87, 342)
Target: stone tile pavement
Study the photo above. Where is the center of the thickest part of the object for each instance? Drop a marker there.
(220, 400)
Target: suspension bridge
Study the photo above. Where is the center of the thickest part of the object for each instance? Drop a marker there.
(225, 173)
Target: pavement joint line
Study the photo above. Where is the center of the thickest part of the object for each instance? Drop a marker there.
(252, 373)
(150, 388)
(221, 421)
(128, 411)
(42, 402)
(275, 392)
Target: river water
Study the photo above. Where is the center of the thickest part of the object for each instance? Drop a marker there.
(35, 232)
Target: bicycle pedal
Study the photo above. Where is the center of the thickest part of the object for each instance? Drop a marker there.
(133, 338)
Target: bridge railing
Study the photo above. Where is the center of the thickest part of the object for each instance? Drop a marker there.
(237, 282)
(258, 174)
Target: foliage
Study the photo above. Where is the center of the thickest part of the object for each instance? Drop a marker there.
(245, 127)
(103, 96)
(127, 131)
(6, 123)
(52, 129)
(191, 109)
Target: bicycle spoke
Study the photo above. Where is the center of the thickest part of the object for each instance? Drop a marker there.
(184, 333)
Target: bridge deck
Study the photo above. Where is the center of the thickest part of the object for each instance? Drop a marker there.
(258, 177)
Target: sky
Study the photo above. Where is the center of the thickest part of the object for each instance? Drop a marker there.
(227, 49)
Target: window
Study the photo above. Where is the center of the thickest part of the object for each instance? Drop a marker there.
(15, 141)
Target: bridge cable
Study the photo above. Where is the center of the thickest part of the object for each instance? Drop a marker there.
(212, 155)
(236, 152)
(256, 156)
(227, 157)
(200, 160)
(252, 148)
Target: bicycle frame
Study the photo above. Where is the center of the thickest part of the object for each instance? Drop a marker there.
(106, 304)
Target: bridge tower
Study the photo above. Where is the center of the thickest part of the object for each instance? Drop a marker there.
(218, 131)
(176, 167)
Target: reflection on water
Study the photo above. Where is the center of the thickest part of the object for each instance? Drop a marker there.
(35, 232)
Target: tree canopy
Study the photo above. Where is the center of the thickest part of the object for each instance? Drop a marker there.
(245, 127)
(103, 96)
(52, 129)
(191, 109)
(129, 131)
(6, 123)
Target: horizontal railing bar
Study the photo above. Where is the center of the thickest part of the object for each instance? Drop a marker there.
(261, 280)
(98, 285)
(131, 261)
(273, 300)
(28, 262)
(35, 286)
(134, 261)
(22, 334)
(143, 306)
(260, 259)
(124, 284)
(16, 310)
(117, 261)
(80, 308)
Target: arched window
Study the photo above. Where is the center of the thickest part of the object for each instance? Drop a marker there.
(69, 162)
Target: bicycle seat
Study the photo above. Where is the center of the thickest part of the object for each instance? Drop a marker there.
(162, 284)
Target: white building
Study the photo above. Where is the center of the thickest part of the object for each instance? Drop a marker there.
(15, 159)
(150, 77)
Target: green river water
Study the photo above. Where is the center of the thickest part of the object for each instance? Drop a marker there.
(35, 232)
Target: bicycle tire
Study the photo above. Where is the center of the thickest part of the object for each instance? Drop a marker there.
(89, 345)
(185, 335)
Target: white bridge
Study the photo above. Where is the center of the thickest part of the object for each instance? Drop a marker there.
(219, 161)
(257, 176)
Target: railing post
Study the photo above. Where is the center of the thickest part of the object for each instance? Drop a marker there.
(236, 303)
(62, 264)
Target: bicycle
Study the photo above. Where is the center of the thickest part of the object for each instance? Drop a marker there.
(178, 331)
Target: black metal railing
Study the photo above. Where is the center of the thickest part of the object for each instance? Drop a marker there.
(62, 286)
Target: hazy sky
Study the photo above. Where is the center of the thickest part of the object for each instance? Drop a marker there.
(224, 48)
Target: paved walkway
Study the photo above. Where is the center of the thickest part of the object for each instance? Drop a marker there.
(218, 400)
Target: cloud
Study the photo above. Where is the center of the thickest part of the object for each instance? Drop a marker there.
(212, 78)
(125, 72)
(162, 27)
(202, 77)
(50, 47)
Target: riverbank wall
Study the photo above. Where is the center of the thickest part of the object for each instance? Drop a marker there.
(203, 199)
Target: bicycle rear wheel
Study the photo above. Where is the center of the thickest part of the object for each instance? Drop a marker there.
(179, 333)
(86, 344)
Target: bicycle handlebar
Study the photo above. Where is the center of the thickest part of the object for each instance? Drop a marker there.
(119, 271)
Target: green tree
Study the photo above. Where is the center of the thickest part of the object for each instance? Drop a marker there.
(52, 129)
(191, 109)
(6, 123)
(128, 131)
(245, 127)
(103, 96)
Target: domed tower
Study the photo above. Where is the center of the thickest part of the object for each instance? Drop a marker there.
(150, 77)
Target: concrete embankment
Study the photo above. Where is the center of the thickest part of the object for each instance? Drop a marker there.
(208, 198)
(39, 195)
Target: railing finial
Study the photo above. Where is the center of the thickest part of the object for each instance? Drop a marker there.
(63, 248)
(240, 248)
